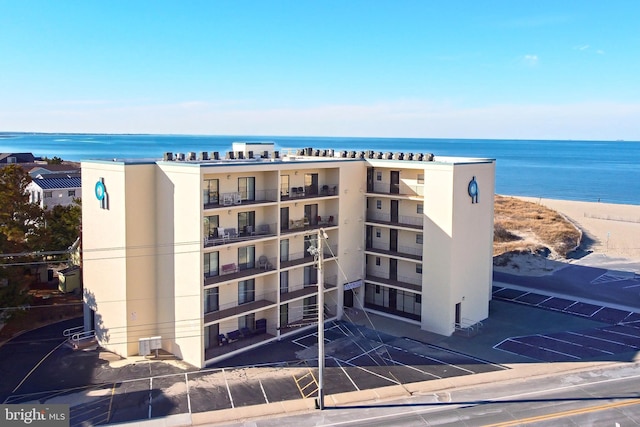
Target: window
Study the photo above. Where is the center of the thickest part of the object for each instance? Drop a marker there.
(246, 223)
(247, 321)
(419, 238)
(284, 282)
(284, 315)
(420, 178)
(419, 268)
(377, 260)
(211, 300)
(246, 291)
(210, 226)
(378, 204)
(71, 193)
(211, 264)
(247, 257)
(310, 275)
(247, 188)
(377, 289)
(378, 232)
(48, 194)
(420, 208)
(210, 192)
(284, 185)
(284, 250)
(418, 299)
(378, 176)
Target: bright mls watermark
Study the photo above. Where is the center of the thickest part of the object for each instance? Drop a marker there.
(34, 415)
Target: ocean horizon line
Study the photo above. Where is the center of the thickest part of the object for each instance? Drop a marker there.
(9, 133)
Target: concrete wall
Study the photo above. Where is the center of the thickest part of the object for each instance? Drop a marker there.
(457, 252)
(104, 240)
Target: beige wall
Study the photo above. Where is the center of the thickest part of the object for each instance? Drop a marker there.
(458, 235)
(144, 256)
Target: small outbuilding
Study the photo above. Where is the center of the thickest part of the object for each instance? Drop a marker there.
(69, 279)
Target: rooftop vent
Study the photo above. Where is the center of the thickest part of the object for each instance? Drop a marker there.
(204, 155)
(192, 155)
(168, 156)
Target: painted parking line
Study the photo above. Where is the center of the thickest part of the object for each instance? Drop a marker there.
(37, 365)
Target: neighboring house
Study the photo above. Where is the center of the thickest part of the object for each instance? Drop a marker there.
(213, 255)
(49, 192)
(43, 171)
(17, 158)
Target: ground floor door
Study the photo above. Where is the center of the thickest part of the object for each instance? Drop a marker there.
(348, 298)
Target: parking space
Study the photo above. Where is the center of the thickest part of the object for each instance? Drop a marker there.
(357, 358)
(599, 313)
(621, 336)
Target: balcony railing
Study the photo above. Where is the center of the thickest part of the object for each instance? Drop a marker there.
(225, 235)
(329, 283)
(401, 189)
(404, 220)
(303, 224)
(402, 251)
(298, 258)
(234, 271)
(227, 199)
(233, 309)
(409, 283)
(296, 193)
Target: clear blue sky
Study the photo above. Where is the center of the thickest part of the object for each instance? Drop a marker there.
(468, 69)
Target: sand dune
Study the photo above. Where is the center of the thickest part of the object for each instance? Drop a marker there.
(611, 239)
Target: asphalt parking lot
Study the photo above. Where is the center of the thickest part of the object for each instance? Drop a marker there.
(357, 358)
(524, 326)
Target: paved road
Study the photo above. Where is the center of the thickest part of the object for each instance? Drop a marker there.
(598, 397)
(19, 356)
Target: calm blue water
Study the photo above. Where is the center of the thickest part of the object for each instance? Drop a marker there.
(569, 170)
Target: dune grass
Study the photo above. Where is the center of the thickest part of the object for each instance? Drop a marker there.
(529, 227)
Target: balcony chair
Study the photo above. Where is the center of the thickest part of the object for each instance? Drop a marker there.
(263, 263)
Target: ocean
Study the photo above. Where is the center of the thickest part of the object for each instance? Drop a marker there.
(605, 171)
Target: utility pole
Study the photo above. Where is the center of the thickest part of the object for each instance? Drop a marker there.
(318, 254)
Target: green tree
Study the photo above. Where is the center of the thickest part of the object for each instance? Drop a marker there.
(20, 223)
(19, 218)
(55, 160)
(62, 226)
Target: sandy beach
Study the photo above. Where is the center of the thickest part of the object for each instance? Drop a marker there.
(611, 232)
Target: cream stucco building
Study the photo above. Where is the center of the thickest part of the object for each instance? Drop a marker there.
(211, 255)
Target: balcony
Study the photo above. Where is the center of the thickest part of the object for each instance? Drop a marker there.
(231, 272)
(300, 258)
(228, 199)
(402, 189)
(232, 310)
(301, 193)
(226, 235)
(308, 290)
(304, 224)
(414, 253)
(414, 222)
(408, 283)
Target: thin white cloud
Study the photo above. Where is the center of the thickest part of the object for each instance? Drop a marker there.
(530, 60)
(600, 52)
(583, 47)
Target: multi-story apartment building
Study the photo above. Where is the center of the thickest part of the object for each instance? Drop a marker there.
(212, 255)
